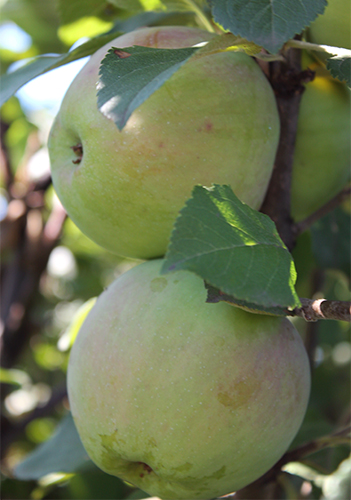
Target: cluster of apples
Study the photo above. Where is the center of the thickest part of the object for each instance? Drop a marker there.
(181, 398)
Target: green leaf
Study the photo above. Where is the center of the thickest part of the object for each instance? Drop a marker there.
(14, 377)
(71, 10)
(156, 5)
(67, 339)
(11, 82)
(340, 68)
(331, 241)
(268, 23)
(235, 249)
(63, 452)
(130, 75)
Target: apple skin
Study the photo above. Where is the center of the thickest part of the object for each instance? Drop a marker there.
(214, 121)
(322, 160)
(182, 398)
(333, 27)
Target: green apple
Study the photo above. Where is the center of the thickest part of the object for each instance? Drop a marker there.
(333, 27)
(214, 121)
(322, 152)
(182, 398)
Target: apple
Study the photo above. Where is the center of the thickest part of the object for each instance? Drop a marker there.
(333, 27)
(214, 121)
(182, 398)
(322, 151)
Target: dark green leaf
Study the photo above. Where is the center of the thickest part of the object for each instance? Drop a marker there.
(63, 452)
(268, 23)
(331, 237)
(11, 82)
(130, 75)
(340, 68)
(72, 10)
(233, 248)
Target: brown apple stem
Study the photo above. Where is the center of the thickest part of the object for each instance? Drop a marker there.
(313, 310)
(300, 227)
(287, 82)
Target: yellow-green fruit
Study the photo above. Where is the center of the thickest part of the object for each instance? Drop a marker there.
(333, 27)
(214, 121)
(184, 399)
(322, 153)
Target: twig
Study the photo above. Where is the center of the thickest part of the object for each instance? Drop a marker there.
(313, 310)
(312, 327)
(337, 438)
(303, 225)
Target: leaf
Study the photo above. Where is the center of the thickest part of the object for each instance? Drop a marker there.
(227, 42)
(268, 23)
(129, 76)
(214, 295)
(14, 377)
(63, 452)
(156, 5)
(340, 68)
(72, 10)
(69, 336)
(331, 241)
(233, 248)
(11, 82)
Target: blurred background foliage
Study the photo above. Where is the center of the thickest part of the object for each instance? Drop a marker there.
(49, 270)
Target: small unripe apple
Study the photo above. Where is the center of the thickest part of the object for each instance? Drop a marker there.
(214, 121)
(182, 398)
(333, 27)
(322, 151)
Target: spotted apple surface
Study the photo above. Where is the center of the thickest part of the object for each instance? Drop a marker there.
(214, 121)
(184, 399)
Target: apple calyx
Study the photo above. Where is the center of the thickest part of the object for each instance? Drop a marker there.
(146, 468)
(78, 151)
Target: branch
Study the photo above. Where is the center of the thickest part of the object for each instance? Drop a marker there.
(29, 242)
(303, 225)
(313, 310)
(287, 81)
(335, 439)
